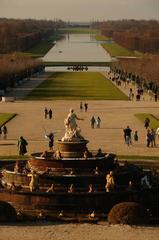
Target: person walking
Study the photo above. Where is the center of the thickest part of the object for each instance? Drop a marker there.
(81, 106)
(93, 121)
(0, 131)
(146, 122)
(50, 114)
(4, 131)
(148, 138)
(127, 135)
(98, 122)
(22, 143)
(45, 112)
(153, 138)
(86, 107)
(157, 132)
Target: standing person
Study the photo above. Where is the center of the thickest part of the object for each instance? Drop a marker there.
(98, 122)
(22, 143)
(45, 112)
(153, 138)
(93, 121)
(86, 107)
(50, 113)
(148, 138)
(0, 131)
(157, 132)
(5, 131)
(146, 122)
(136, 137)
(81, 106)
(127, 135)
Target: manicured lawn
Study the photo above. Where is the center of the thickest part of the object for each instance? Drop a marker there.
(5, 117)
(102, 38)
(154, 122)
(77, 85)
(43, 47)
(79, 30)
(115, 49)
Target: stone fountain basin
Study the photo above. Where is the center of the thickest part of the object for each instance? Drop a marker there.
(72, 148)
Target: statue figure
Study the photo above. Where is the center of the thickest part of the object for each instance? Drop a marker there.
(72, 129)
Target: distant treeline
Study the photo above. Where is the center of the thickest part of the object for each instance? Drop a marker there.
(144, 71)
(20, 35)
(139, 35)
(14, 68)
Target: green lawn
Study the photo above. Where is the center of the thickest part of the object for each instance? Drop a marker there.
(102, 38)
(154, 122)
(43, 47)
(5, 117)
(115, 49)
(77, 85)
(79, 30)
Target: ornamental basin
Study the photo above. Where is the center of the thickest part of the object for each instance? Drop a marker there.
(72, 149)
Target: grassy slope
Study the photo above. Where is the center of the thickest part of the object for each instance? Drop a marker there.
(5, 117)
(115, 49)
(78, 85)
(154, 122)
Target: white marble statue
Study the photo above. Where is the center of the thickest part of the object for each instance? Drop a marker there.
(72, 130)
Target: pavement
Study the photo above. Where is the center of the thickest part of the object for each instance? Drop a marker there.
(115, 116)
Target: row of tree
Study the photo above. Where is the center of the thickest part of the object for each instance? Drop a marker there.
(144, 71)
(20, 35)
(16, 67)
(140, 35)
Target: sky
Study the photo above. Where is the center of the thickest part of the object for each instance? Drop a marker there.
(80, 10)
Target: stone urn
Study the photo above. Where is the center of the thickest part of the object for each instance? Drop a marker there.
(72, 149)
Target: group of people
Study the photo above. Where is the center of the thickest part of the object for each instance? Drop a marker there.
(4, 131)
(151, 133)
(83, 106)
(127, 135)
(95, 122)
(47, 113)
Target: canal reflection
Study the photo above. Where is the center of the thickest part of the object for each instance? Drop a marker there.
(77, 48)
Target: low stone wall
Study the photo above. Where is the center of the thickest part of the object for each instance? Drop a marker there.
(8, 99)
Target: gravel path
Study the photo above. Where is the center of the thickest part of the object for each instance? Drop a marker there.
(115, 116)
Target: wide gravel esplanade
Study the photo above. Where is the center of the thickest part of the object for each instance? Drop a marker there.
(115, 116)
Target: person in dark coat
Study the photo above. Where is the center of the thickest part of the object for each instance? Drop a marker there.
(45, 112)
(50, 113)
(22, 143)
(5, 131)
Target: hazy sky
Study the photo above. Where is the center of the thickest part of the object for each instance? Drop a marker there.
(80, 10)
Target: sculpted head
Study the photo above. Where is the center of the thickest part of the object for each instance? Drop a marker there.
(71, 110)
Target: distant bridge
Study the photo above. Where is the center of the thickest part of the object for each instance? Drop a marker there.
(66, 64)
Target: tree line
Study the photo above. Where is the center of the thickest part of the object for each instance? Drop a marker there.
(20, 35)
(143, 71)
(14, 68)
(139, 35)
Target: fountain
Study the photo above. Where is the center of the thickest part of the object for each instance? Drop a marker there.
(69, 183)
